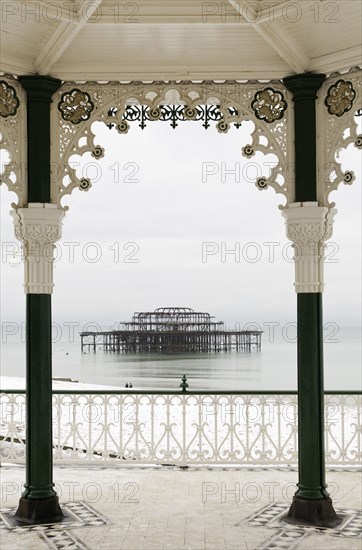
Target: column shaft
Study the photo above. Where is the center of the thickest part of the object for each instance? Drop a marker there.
(310, 387)
(39, 476)
(311, 502)
(39, 501)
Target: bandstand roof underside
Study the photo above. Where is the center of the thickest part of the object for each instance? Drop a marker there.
(179, 39)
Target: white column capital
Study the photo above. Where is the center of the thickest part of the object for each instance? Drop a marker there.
(308, 226)
(38, 227)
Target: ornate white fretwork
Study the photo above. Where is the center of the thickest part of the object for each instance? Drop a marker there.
(309, 226)
(38, 227)
(339, 107)
(13, 138)
(77, 106)
(120, 428)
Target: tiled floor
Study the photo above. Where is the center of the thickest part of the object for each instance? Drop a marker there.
(173, 508)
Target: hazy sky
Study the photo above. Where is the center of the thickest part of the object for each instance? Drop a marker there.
(152, 205)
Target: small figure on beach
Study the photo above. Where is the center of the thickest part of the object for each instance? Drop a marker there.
(126, 386)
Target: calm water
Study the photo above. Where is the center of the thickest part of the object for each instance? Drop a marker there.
(273, 368)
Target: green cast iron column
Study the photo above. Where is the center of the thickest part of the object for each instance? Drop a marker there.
(310, 397)
(39, 501)
(311, 502)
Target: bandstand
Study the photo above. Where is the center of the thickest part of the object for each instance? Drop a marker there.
(292, 68)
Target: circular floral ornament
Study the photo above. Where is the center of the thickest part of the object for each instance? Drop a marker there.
(248, 151)
(75, 106)
(222, 127)
(98, 152)
(261, 184)
(123, 127)
(340, 98)
(358, 142)
(269, 105)
(189, 113)
(9, 101)
(349, 178)
(154, 114)
(85, 184)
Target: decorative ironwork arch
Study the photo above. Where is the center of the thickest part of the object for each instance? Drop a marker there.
(226, 104)
(77, 106)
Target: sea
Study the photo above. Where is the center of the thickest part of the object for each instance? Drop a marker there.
(273, 368)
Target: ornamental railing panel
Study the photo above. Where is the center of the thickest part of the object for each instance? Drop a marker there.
(248, 429)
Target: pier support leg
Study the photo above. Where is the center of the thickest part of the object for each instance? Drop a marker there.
(38, 226)
(308, 225)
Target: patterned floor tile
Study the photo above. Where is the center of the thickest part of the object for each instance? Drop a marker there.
(285, 539)
(58, 535)
(266, 515)
(289, 536)
(62, 540)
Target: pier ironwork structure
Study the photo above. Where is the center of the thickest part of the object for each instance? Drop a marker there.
(171, 330)
(293, 80)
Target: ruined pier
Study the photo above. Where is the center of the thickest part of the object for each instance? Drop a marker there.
(171, 330)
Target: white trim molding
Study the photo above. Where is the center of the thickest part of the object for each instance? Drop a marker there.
(38, 227)
(308, 226)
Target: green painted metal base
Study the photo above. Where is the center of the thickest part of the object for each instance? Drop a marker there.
(34, 511)
(313, 512)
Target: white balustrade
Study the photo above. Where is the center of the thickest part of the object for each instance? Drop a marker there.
(184, 428)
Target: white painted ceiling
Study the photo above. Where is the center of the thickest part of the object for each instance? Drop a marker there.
(179, 39)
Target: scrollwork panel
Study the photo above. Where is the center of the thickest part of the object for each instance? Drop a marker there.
(183, 428)
(13, 169)
(119, 105)
(338, 112)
